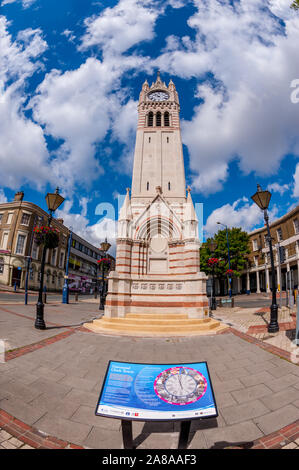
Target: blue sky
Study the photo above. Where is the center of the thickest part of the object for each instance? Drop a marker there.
(70, 78)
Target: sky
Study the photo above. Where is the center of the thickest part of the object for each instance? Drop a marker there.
(70, 77)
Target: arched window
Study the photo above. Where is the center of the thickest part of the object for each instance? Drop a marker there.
(150, 119)
(166, 119)
(158, 119)
(147, 186)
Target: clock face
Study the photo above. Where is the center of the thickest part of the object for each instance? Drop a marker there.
(180, 385)
(158, 96)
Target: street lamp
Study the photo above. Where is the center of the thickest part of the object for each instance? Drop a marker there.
(229, 275)
(65, 290)
(262, 199)
(213, 247)
(104, 247)
(54, 200)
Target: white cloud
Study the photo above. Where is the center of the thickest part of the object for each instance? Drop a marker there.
(296, 182)
(247, 114)
(119, 28)
(278, 188)
(23, 152)
(239, 214)
(80, 224)
(25, 3)
(3, 198)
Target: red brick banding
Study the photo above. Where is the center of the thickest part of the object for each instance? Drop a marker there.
(30, 435)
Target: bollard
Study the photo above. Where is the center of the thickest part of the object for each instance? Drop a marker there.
(44, 298)
(95, 294)
(76, 296)
(233, 302)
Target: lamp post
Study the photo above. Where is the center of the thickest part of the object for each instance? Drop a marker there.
(104, 247)
(213, 247)
(65, 290)
(54, 200)
(229, 276)
(262, 199)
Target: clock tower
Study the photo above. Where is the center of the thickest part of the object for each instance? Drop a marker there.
(158, 159)
(157, 259)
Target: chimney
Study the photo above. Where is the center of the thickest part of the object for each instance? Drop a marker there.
(19, 196)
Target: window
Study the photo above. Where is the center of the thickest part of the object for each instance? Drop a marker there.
(166, 119)
(61, 259)
(167, 140)
(279, 234)
(256, 260)
(1, 215)
(25, 219)
(147, 186)
(53, 259)
(158, 119)
(34, 251)
(20, 244)
(168, 186)
(150, 119)
(295, 221)
(1, 265)
(254, 245)
(9, 218)
(266, 240)
(149, 140)
(4, 240)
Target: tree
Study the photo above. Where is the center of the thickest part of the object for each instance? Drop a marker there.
(295, 5)
(238, 247)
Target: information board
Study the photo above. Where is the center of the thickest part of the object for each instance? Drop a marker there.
(157, 392)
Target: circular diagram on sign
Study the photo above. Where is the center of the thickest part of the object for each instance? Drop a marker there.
(180, 385)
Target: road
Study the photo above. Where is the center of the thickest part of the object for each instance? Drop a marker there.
(19, 297)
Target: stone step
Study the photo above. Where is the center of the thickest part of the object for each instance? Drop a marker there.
(142, 322)
(155, 316)
(165, 327)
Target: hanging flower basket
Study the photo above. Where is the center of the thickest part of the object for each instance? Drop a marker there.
(213, 261)
(104, 263)
(47, 236)
(230, 272)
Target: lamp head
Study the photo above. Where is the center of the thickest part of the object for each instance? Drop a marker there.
(54, 200)
(261, 198)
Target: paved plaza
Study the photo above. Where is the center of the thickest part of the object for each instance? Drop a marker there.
(51, 380)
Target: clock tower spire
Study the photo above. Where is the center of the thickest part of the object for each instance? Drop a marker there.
(158, 158)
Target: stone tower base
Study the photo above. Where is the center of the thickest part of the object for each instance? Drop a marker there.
(156, 294)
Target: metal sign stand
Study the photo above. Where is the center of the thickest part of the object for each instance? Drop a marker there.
(127, 434)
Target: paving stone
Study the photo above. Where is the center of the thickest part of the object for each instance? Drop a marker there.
(4, 435)
(82, 397)
(99, 439)
(14, 441)
(224, 399)
(233, 374)
(284, 382)
(255, 379)
(227, 386)
(244, 412)
(19, 390)
(275, 420)
(251, 393)
(275, 401)
(86, 415)
(8, 445)
(291, 445)
(63, 429)
(77, 382)
(52, 388)
(245, 432)
(48, 373)
(21, 410)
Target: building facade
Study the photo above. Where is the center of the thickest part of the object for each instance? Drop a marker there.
(157, 259)
(17, 221)
(285, 239)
